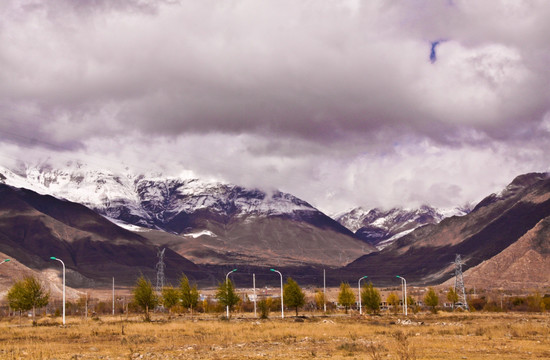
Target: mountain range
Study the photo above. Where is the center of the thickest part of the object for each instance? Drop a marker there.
(382, 227)
(509, 229)
(35, 227)
(206, 222)
(105, 223)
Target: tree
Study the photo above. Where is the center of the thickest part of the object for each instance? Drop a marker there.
(37, 295)
(145, 296)
(393, 301)
(452, 296)
(189, 295)
(431, 299)
(370, 297)
(226, 294)
(265, 307)
(16, 297)
(411, 303)
(346, 298)
(28, 294)
(319, 299)
(170, 297)
(82, 303)
(535, 302)
(293, 295)
(194, 298)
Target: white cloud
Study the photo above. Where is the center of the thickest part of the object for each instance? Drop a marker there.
(337, 102)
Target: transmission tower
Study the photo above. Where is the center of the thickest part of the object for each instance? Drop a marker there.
(459, 281)
(160, 271)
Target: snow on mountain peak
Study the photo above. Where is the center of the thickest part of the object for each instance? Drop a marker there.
(146, 200)
(382, 227)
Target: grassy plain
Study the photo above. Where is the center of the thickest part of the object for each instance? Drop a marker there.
(426, 336)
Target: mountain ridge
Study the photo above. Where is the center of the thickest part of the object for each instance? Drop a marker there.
(222, 226)
(34, 227)
(382, 227)
(426, 255)
(229, 218)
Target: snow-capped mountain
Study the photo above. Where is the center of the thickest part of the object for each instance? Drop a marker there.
(150, 201)
(504, 240)
(204, 216)
(382, 227)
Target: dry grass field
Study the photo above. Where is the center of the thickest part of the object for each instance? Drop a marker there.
(426, 336)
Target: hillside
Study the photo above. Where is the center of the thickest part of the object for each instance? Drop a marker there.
(500, 220)
(523, 265)
(50, 278)
(382, 227)
(35, 227)
(209, 228)
(209, 222)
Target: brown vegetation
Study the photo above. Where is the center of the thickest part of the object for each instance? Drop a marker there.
(443, 336)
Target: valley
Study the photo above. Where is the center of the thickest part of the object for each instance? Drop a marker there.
(107, 224)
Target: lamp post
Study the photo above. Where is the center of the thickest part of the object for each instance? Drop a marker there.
(227, 288)
(62, 263)
(282, 304)
(359, 289)
(404, 286)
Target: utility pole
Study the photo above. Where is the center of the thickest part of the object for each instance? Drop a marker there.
(324, 291)
(113, 295)
(254, 286)
(459, 281)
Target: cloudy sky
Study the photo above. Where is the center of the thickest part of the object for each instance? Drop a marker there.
(342, 103)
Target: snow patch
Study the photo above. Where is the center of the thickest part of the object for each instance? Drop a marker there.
(127, 226)
(385, 243)
(200, 233)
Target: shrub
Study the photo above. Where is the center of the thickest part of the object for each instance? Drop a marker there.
(264, 305)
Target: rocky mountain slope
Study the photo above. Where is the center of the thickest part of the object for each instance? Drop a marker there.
(218, 225)
(209, 222)
(50, 278)
(500, 220)
(382, 227)
(523, 265)
(34, 227)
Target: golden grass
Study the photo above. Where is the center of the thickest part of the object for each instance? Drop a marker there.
(443, 336)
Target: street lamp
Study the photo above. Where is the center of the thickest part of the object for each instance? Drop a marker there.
(282, 304)
(404, 286)
(54, 258)
(227, 287)
(359, 289)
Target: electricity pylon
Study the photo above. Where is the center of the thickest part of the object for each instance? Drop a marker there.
(160, 271)
(459, 281)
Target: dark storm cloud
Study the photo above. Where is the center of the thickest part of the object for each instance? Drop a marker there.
(296, 87)
(313, 71)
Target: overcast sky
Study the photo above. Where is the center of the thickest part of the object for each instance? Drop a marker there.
(341, 103)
